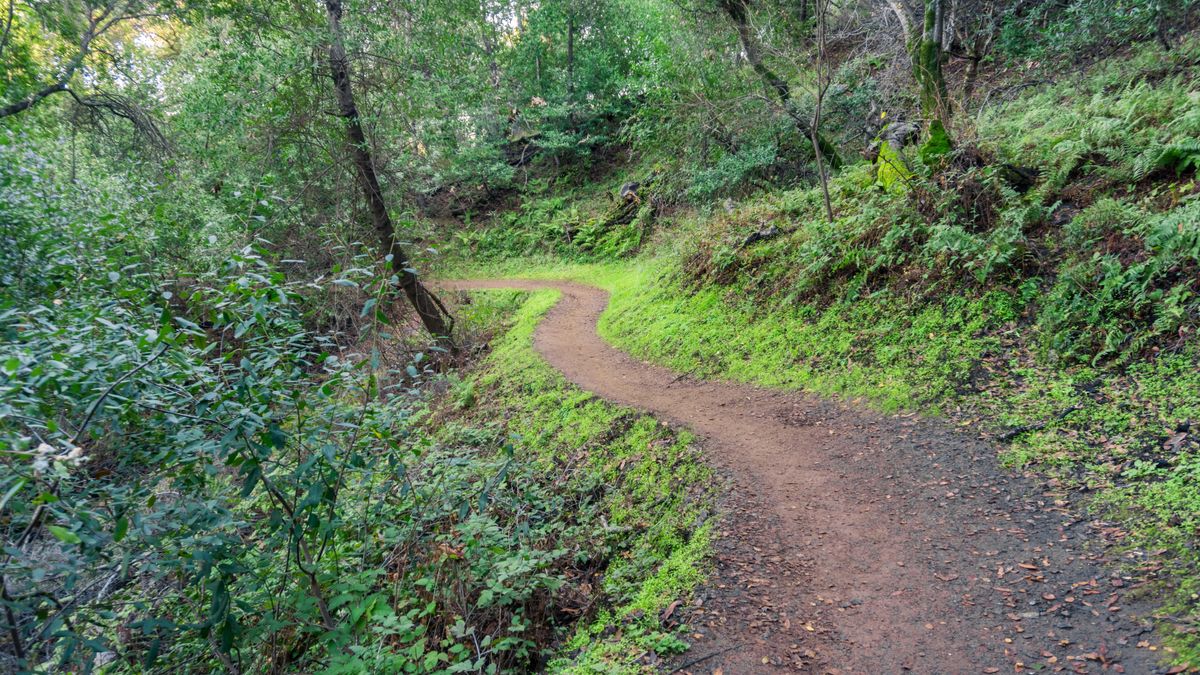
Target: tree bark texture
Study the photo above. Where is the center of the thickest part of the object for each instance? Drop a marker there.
(433, 314)
(928, 56)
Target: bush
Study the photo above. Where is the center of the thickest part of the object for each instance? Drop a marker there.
(196, 480)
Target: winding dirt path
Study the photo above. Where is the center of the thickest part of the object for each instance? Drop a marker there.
(857, 542)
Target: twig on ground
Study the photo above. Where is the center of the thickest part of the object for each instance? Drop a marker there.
(1026, 428)
(694, 661)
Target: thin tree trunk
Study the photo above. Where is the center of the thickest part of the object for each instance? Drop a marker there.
(431, 311)
(571, 63)
(8, 24)
(736, 10)
(571, 54)
(970, 78)
(821, 7)
(488, 32)
(489, 44)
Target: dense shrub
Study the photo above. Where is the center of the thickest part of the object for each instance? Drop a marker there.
(196, 479)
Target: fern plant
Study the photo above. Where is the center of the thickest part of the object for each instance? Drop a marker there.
(1181, 157)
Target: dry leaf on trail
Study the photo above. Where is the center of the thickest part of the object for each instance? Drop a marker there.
(670, 610)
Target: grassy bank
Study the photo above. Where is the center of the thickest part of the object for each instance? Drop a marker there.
(636, 492)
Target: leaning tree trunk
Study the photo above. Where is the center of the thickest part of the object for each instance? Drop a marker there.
(736, 11)
(431, 311)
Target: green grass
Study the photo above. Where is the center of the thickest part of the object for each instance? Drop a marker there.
(882, 351)
(654, 484)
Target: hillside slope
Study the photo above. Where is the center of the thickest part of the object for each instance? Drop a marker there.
(1058, 320)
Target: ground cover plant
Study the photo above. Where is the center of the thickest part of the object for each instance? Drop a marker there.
(202, 481)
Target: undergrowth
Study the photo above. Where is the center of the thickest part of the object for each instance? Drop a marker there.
(637, 493)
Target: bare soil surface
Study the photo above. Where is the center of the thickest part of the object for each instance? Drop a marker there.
(853, 542)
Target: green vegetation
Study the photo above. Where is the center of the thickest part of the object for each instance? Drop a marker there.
(239, 434)
(642, 488)
(1065, 313)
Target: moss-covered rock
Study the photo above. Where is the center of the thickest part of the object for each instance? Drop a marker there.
(893, 172)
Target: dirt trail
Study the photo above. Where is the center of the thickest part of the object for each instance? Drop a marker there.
(857, 542)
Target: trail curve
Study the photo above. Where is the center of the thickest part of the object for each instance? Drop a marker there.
(858, 542)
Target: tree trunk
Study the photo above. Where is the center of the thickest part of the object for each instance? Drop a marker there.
(970, 78)
(571, 54)
(736, 10)
(927, 63)
(571, 63)
(431, 311)
(822, 10)
(489, 43)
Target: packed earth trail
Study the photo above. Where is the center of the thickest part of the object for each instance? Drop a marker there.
(857, 542)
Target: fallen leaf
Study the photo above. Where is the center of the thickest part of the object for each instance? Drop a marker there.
(670, 610)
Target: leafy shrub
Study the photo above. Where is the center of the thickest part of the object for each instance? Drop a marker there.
(1073, 28)
(731, 172)
(196, 480)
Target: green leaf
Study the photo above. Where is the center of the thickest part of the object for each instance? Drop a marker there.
(122, 527)
(63, 534)
(251, 480)
(12, 491)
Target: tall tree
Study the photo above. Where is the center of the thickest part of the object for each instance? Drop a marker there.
(928, 56)
(432, 312)
(927, 49)
(823, 81)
